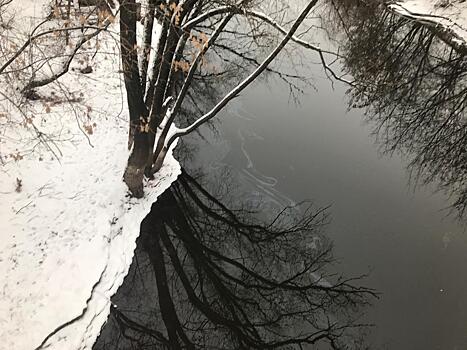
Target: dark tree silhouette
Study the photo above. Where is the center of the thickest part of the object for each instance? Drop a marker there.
(195, 36)
(217, 278)
(414, 92)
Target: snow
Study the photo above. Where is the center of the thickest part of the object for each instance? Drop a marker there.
(67, 225)
(449, 14)
(30, 13)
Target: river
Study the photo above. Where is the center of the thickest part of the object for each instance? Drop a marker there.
(383, 224)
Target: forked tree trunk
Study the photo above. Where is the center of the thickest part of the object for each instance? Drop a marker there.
(134, 172)
(142, 125)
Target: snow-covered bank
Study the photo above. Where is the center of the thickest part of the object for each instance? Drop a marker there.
(67, 227)
(449, 16)
(67, 242)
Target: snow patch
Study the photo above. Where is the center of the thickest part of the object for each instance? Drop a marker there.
(68, 227)
(67, 242)
(449, 15)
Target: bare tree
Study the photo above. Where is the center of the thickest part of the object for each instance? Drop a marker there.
(37, 51)
(207, 276)
(192, 33)
(180, 42)
(45, 40)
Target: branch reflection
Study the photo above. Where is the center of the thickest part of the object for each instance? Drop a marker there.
(209, 277)
(414, 89)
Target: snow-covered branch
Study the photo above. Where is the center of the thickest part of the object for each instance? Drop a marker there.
(195, 63)
(208, 14)
(302, 43)
(246, 82)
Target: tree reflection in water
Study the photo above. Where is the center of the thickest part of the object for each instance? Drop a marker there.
(209, 277)
(414, 88)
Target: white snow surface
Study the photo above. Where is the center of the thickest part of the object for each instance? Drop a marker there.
(449, 14)
(67, 225)
(28, 13)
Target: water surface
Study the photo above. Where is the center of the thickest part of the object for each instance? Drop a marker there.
(401, 235)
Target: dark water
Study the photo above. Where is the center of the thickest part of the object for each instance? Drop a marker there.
(271, 153)
(415, 253)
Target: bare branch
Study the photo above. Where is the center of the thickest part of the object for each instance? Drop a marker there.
(208, 14)
(66, 66)
(302, 43)
(234, 92)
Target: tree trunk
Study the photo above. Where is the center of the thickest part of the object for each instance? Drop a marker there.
(147, 41)
(158, 161)
(134, 172)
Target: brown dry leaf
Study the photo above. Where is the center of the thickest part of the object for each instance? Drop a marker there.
(89, 129)
(203, 38)
(183, 66)
(195, 42)
(16, 156)
(47, 108)
(111, 18)
(56, 13)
